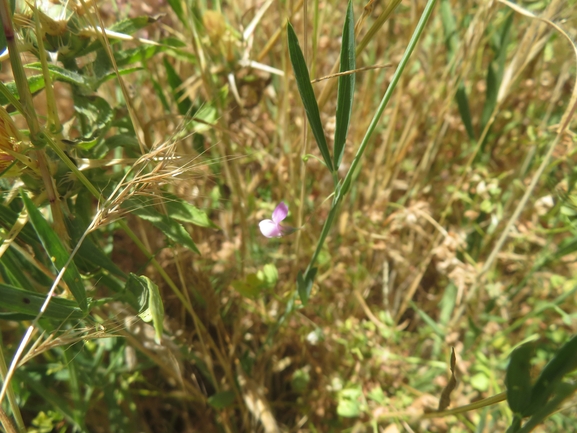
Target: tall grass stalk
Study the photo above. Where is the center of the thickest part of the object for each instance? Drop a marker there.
(343, 188)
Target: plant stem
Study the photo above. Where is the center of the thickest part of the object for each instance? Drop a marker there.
(340, 192)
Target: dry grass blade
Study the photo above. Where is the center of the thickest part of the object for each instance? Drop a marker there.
(340, 74)
(445, 399)
(564, 125)
(379, 22)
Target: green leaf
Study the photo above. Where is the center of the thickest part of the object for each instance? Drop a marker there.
(60, 74)
(250, 287)
(181, 210)
(125, 141)
(221, 399)
(496, 69)
(346, 89)
(518, 379)
(7, 220)
(176, 6)
(13, 266)
(112, 74)
(144, 208)
(305, 284)
(35, 84)
(175, 82)
(154, 308)
(28, 305)
(95, 113)
(90, 253)
(464, 110)
(564, 362)
(127, 27)
(307, 94)
(56, 252)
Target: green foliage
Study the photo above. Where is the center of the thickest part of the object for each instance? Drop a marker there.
(542, 398)
(346, 89)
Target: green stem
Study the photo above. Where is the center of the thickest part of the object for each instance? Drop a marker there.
(340, 193)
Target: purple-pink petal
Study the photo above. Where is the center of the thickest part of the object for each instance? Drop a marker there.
(270, 229)
(280, 212)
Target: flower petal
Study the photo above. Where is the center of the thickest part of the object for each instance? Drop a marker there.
(270, 229)
(280, 212)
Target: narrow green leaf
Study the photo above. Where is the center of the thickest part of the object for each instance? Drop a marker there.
(346, 89)
(464, 110)
(13, 268)
(28, 304)
(307, 94)
(176, 6)
(112, 74)
(518, 379)
(305, 284)
(89, 254)
(144, 208)
(60, 74)
(428, 320)
(56, 252)
(184, 104)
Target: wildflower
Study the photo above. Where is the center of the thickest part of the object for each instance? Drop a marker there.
(272, 228)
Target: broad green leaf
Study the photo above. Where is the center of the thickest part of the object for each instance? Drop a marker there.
(518, 379)
(56, 252)
(144, 208)
(154, 309)
(346, 89)
(564, 362)
(96, 114)
(562, 391)
(28, 304)
(181, 210)
(307, 94)
(221, 399)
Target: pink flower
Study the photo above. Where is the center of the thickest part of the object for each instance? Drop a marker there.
(272, 228)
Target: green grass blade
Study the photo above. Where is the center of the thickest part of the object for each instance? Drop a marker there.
(184, 104)
(144, 208)
(307, 94)
(56, 251)
(346, 87)
(518, 379)
(496, 69)
(27, 304)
